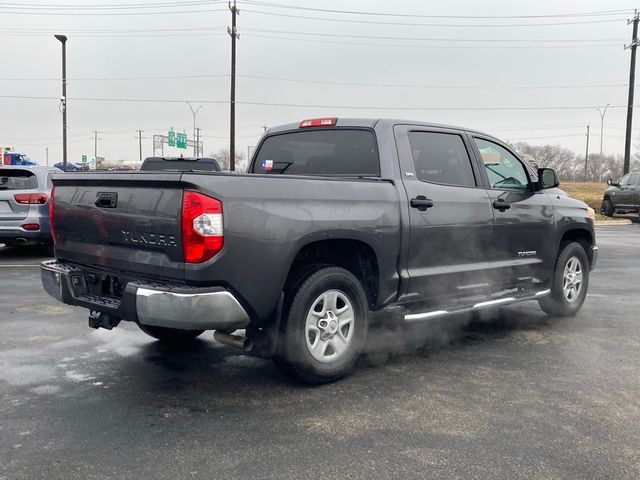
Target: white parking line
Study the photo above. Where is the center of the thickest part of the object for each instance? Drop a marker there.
(20, 265)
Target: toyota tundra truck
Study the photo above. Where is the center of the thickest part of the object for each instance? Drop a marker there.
(334, 219)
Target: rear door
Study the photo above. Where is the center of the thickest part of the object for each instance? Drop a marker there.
(523, 243)
(450, 214)
(122, 222)
(14, 181)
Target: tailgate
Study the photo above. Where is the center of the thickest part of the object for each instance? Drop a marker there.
(124, 222)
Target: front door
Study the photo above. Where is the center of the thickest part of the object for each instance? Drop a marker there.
(524, 238)
(449, 212)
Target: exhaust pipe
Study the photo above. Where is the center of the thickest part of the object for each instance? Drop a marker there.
(237, 341)
(20, 241)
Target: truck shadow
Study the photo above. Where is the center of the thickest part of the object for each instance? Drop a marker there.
(211, 368)
(30, 254)
(424, 339)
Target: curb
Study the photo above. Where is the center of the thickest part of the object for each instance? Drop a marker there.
(605, 223)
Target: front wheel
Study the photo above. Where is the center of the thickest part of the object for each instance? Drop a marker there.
(324, 327)
(570, 282)
(607, 208)
(170, 335)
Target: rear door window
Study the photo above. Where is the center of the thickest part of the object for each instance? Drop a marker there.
(441, 158)
(331, 152)
(17, 180)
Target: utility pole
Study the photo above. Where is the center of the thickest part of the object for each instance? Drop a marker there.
(63, 101)
(140, 142)
(586, 155)
(233, 32)
(198, 151)
(95, 145)
(632, 80)
(46, 156)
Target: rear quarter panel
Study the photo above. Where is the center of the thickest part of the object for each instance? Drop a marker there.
(268, 219)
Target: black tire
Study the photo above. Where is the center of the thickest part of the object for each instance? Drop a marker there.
(170, 335)
(607, 208)
(295, 357)
(557, 303)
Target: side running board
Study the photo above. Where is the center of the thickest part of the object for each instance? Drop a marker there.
(412, 317)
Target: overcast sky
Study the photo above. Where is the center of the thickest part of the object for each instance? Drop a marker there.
(422, 60)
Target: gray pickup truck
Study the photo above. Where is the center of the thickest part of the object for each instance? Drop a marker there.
(622, 196)
(334, 219)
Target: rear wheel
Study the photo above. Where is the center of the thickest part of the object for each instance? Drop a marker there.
(170, 335)
(570, 282)
(607, 208)
(324, 327)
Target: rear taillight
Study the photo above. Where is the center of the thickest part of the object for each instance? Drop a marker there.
(202, 228)
(31, 198)
(319, 122)
(51, 201)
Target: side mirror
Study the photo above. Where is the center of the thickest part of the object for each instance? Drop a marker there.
(609, 181)
(547, 178)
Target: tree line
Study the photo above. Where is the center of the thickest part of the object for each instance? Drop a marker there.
(571, 166)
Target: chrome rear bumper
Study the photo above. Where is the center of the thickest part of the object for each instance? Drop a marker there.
(171, 306)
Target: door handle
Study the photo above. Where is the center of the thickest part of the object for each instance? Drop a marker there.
(421, 202)
(501, 205)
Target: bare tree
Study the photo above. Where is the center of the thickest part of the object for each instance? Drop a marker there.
(223, 158)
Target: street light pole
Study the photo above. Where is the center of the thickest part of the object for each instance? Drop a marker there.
(63, 100)
(194, 112)
(602, 114)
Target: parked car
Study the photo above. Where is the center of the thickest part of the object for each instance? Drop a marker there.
(334, 219)
(24, 204)
(72, 167)
(205, 164)
(622, 196)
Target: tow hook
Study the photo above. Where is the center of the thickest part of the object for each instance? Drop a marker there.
(103, 320)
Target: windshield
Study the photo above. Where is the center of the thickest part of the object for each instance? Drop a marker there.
(340, 152)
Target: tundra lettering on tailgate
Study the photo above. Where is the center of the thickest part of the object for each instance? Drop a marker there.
(149, 238)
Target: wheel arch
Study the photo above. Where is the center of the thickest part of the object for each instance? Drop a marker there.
(355, 256)
(580, 235)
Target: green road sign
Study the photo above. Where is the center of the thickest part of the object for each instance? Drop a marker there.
(84, 159)
(181, 140)
(171, 138)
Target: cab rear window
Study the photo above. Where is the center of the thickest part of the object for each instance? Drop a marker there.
(17, 180)
(330, 152)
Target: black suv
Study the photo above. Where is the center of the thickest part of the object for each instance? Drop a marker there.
(623, 196)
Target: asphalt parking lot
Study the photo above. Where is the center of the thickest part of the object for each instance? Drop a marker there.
(517, 395)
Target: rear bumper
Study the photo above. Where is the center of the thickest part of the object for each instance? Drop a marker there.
(10, 231)
(161, 305)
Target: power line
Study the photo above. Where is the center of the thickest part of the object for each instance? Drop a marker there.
(410, 24)
(435, 39)
(130, 6)
(328, 82)
(432, 46)
(58, 13)
(297, 105)
(417, 15)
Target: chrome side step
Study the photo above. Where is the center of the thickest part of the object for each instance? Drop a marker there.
(412, 317)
